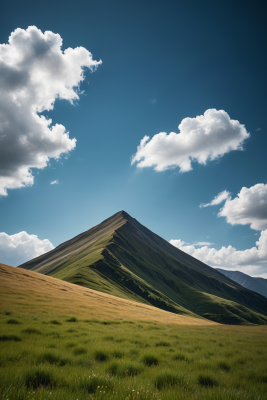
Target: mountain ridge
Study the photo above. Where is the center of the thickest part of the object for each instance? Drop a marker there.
(258, 285)
(122, 257)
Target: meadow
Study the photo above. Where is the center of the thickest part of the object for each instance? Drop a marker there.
(69, 358)
(61, 341)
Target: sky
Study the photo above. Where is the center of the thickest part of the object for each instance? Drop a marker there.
(154, 107)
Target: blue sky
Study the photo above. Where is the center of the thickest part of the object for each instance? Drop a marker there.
(162, 62)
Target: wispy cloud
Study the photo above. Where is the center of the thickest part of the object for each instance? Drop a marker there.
(56, 182)
(217, 199)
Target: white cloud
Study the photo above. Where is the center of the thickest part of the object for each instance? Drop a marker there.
(251, 261)
(217, 199)
(21, 247)
(201, 139)
(202, 244)
(34, 72)
(249, 207)
(56, 182)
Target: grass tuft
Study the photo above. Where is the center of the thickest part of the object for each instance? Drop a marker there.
(109, 338)
(207, 380)
(101, 356)
(15, 338)
(129, 369)
(224, 366)
(55, 322)
(13, 321)
(8, 312)
(72, 319)
(30, 331)
(117, 354)
(162, 343)
(166, 379)
(180, 357)
(113, 368)
(70, 345)
(79, 351)
(52, 358)
(94, 383)
(38, 379)
(149, 360)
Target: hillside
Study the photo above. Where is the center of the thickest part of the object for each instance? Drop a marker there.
(38, 294)
(123, 258)
(258, 285)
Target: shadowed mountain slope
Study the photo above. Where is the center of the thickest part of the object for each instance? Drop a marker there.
(258, 285)
(123, 258)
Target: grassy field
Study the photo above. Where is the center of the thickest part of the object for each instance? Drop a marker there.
(61, 341)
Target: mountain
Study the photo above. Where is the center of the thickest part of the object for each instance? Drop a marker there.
(123, 258)
(258, 285)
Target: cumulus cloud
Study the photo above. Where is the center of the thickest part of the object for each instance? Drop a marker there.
(206, 137)
(34, 72)
(248, 208)
(21, 247)
(217, 199)
(251, 261)
(56, 182)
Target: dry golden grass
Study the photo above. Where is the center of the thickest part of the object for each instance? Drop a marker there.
(30, 292)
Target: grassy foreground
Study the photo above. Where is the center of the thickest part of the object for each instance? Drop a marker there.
(52, 349)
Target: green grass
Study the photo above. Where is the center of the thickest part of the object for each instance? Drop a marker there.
(124, 361)
(72, 319)
(13, 321)
(207, 380)
(31, 331)
(150, 359)
(55, 322)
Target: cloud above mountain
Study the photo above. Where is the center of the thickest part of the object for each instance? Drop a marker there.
(249, 207)
(21, 247)
(252, 261)
(34, 72)
(201, 139)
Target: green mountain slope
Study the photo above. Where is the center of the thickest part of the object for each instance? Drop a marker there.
(123, 258)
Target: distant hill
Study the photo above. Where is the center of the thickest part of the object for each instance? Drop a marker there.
(123, 258)
(258, 285)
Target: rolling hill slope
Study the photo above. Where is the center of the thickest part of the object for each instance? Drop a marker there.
(27, 292)
(123, 258)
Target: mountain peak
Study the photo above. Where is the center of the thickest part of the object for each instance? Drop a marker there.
(124, 214)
